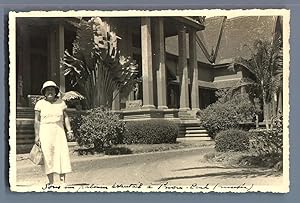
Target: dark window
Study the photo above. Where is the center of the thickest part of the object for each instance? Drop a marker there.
(206, 97)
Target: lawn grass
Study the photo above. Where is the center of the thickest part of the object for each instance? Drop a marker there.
(145, 148)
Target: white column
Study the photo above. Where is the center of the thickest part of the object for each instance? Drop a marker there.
(147, 63)
(183, 69)
(161, 71)
(194, 68)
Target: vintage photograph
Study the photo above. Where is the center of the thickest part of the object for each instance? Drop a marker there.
(149, 101)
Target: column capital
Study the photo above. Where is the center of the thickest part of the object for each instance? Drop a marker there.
(181, 28)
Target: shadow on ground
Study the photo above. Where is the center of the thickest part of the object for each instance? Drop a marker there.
(244, 173)
(117, 151)
(206, 167)
(106, 151)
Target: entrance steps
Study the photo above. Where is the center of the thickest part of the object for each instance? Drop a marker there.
(25, 128)
(24, 135)
(191, 130)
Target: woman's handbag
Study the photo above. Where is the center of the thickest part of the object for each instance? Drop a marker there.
(36, 155)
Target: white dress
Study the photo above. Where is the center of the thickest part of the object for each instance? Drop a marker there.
(53, 137)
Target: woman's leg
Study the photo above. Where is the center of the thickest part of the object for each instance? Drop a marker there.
(50, 178)
(62, 178)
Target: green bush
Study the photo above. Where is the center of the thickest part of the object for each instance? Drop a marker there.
(268, 142)
(150, 132)
(232, 140)
(265, 142)
(227, 114)
(75, 124)
(99, 128)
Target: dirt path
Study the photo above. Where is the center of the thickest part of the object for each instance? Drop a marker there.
(184, 167)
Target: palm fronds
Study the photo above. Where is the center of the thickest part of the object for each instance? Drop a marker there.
(266, 65)
(96, 64)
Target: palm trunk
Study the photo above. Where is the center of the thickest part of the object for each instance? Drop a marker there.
(275, 104)
(101, 86)
(266, 114)
(279, 104)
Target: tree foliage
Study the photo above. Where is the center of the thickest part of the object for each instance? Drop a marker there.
(96, 65)
(266, 65)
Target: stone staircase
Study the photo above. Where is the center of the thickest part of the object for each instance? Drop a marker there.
(25, 113)
(190, 129)
(24, 135)
(24, 129)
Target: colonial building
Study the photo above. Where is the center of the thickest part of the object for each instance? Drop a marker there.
(178, 76)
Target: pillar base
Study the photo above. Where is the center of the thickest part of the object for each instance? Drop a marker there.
(162, 107)
(194, 111)
(184, 109)
(148, 107)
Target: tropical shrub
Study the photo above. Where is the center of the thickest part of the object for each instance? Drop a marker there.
(75, 121)
(99, 128)
(95, 65)
(267, 146)
(217, 117)
(226, 114)
(266, 65)
(266, 142)
(232, 140)
(150, 132)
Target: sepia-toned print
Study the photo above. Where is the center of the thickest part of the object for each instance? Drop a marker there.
(149, 101)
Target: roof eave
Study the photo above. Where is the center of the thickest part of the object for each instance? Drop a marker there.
(190, 22)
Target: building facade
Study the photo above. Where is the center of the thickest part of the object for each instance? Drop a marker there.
(41, 43)
(177, 79)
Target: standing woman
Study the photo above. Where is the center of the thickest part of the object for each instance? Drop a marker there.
(50, 123)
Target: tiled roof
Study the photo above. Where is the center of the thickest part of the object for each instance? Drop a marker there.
(237, 32)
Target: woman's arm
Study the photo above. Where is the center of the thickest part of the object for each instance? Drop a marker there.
(68, 126)
(67, 122)
(37, 126)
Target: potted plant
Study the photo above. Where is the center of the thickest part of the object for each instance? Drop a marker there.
(73, 98)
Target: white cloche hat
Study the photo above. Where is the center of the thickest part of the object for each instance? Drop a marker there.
(49, 84)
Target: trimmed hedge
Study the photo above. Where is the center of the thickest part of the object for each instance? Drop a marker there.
(150, 132)
(224, 115)
(232, 140)
(99, 128)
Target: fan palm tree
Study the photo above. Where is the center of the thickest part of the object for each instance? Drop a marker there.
(266, 64)
(96, 65)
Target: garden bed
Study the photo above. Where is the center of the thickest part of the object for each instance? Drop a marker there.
(142, 148)
(244, 159)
